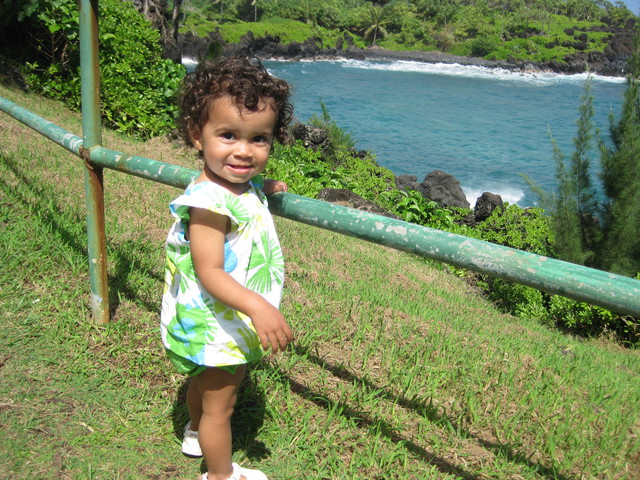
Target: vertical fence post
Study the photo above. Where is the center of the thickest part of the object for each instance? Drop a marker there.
(93, 174)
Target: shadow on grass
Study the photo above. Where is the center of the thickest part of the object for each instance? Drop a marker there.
(128, 258)
(428, 411)
(128, 261)
(247, 420)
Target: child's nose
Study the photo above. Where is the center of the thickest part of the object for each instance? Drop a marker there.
(243, 149)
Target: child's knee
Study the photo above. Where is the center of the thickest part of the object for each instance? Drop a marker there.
(219, 391)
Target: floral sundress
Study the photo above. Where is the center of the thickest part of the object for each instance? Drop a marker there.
(197, 330)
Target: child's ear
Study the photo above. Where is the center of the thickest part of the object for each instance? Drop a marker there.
(195, 140)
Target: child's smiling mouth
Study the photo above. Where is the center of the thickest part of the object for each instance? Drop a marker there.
(240, 168)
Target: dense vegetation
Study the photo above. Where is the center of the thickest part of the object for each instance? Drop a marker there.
(41, 43)
(137, 83)
(138, 87)
(538, 30)
(308, 172)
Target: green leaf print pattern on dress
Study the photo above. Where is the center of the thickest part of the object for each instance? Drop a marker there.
(194, 325)
(266, 268)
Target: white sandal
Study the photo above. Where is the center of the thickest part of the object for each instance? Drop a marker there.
(239, 472)
(190, 443)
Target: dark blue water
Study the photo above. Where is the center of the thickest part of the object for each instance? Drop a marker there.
(485, 127)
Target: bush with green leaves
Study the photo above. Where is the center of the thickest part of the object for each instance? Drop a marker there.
(137, 84)
(411, 206)
(339, 138)
(525, 229)
(307, 172)
(302, 169)
(530, 230)
(571, 316)
(482, 46)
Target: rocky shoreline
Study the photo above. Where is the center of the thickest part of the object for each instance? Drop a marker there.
(426, 57)
(611, 62)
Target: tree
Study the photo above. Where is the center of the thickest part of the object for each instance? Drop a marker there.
(573, 207)
(585, 194)
(442, 11)
(221, 6)
(373, 23)
(175, 15)
(601, 234)
(137, 84)
(621, 179)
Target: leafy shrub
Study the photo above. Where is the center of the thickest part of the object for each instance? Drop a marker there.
(482, 46)
(411, 206)
(524, 229)
(137, 84)
(518, 299)
(529, 230)
(364, 176)
(302, 169)
(338, 137)
(307, 172)
(445, 39)
(590, 320)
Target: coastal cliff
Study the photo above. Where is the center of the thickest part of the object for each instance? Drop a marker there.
(611, 62)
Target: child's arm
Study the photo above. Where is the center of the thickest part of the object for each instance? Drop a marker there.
(206, 234)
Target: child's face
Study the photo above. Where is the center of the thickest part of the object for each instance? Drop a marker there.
(235, 143)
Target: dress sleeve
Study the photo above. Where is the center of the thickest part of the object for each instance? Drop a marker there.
(209, 196)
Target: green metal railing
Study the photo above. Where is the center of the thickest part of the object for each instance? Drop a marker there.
(618, 293)
(615, 292)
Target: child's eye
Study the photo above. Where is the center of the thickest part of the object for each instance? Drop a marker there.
(227, 136)
(261, 139)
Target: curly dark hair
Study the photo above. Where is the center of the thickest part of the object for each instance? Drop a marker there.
(245, 80)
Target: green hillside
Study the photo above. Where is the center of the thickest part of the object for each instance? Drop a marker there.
(538, 30)
(398, 368)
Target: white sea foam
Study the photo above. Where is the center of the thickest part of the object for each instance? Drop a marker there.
(456, 70)
(472, 71)
(189, 63)
(507, 193)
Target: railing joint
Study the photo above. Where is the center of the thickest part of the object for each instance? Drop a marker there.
(85, 154)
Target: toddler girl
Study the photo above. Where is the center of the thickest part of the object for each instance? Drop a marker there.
(224, 267)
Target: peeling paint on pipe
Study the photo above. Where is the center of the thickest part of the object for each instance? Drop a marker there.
(161, 172)
(143, 167)
(615, 292)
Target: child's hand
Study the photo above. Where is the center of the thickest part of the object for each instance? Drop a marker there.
(272, 328)
(274, 186)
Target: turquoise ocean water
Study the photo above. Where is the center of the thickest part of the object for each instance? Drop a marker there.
(485, 127)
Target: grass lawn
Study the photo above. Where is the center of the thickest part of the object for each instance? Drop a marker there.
(399, 370)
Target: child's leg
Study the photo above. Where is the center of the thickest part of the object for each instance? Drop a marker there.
(194, 404)
(218, 390)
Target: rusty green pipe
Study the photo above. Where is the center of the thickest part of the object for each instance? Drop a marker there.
(615, 292)
(160, 172)
(93, 174)
(144, 167)
(618, 293)
(59, 135)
